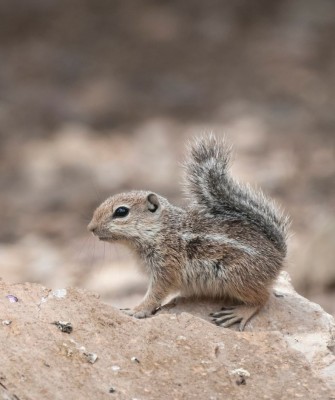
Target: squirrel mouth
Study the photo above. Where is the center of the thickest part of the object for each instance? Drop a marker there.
(104, 238)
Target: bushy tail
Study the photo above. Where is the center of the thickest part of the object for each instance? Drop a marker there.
(210, 185)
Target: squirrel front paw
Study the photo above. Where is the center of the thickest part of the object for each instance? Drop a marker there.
(138, 313)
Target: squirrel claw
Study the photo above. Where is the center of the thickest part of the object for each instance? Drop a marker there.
(143, 314)
(127, 311)
(233, 315)
(137, 314)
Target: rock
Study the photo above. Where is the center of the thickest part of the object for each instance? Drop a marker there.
(287, 350)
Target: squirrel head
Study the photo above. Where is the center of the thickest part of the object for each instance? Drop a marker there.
(128, 217)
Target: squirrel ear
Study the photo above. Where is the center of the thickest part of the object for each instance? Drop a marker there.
(152, 202)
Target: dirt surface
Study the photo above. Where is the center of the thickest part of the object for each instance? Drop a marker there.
(100, 97)
(177, 354)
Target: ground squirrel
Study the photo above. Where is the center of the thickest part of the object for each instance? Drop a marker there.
(230, 243)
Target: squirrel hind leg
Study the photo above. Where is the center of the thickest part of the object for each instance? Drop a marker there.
(229, 316)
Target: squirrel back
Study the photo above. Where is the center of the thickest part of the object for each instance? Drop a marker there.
(211, 188)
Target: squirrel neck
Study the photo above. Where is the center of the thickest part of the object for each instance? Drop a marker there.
(152, 250)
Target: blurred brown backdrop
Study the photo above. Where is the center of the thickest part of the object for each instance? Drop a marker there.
(98, 97)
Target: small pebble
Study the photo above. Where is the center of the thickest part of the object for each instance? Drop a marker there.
(115, 368)
(242, 375)
(112, 390)
(91, 357)
(136, 360)
(64, 326)
(12, 298)
(6, 322)
(59, 293)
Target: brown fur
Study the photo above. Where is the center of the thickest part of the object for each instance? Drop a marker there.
(229, 243)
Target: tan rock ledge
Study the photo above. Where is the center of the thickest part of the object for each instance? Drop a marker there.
(286, 352)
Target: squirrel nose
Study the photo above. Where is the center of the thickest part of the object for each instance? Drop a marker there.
(92, 227)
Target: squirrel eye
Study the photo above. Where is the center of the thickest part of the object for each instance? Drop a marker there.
(121, 212)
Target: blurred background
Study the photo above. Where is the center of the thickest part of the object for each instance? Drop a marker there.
(98, 97)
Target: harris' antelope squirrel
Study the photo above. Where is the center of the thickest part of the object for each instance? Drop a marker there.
(229, 243)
